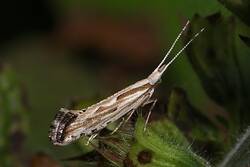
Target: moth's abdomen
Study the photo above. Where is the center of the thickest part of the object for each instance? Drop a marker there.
(62, 119)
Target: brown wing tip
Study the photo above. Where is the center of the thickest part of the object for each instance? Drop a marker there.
(62, 119)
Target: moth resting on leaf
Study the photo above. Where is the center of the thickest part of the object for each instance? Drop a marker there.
(70, 125)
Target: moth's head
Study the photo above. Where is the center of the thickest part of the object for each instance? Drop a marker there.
(57, 133)
(155, 76)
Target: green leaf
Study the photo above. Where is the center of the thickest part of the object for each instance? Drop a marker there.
(214, 58)
(206, 130)
(162, 144)
(240, 8)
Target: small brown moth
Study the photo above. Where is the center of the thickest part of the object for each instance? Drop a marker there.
(69, 125)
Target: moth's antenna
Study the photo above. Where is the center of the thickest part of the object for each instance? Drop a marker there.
(173, 45)
(157, 73)
(191, 40)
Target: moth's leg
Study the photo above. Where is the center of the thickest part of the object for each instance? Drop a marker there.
(91, 138)
(153, 102)
(123, 121)
(118, 126)
(130, 115)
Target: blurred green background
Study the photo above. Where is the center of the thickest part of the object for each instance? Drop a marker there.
(63, 51)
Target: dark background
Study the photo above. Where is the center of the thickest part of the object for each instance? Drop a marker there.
(65, 50)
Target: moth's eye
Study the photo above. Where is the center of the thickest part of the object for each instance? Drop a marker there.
(72, 137)
(162, 67)
(93, 130)
(82, 111)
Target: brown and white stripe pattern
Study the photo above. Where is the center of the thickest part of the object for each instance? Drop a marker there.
(70, 125)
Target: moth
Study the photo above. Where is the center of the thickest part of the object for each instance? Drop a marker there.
(70, 125)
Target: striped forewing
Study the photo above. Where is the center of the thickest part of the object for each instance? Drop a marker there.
(99, 115)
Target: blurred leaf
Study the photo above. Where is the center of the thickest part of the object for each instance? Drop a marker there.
(239, 7)
(245, 39)
(213, 57)
(207, 131)
(162, 145)
(181, 111)
(13, 119)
